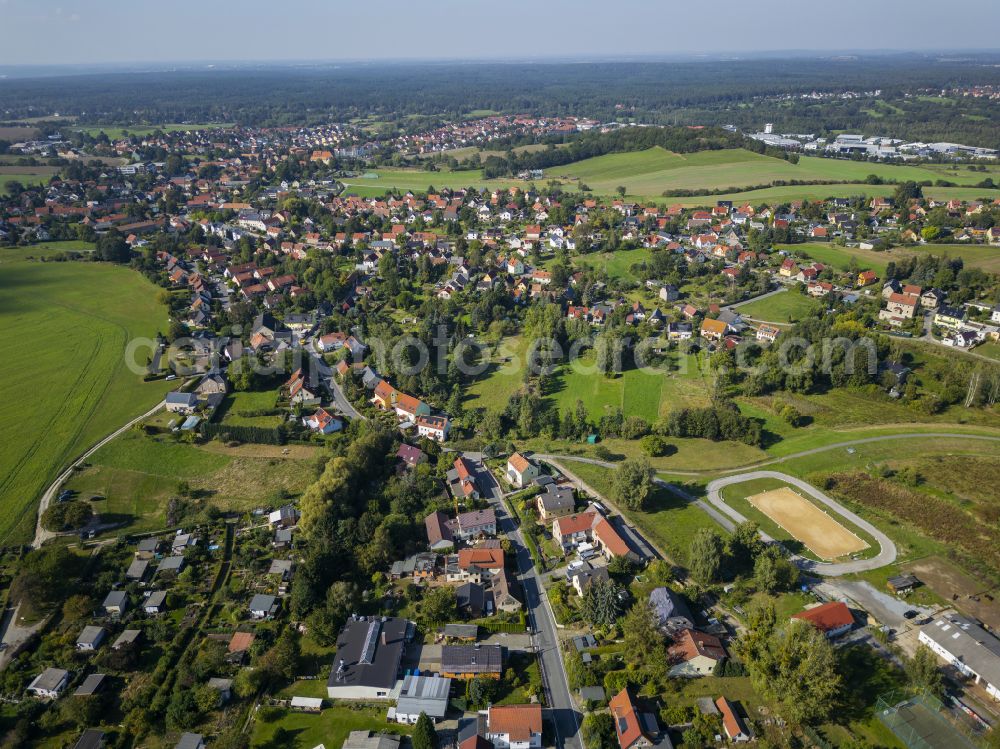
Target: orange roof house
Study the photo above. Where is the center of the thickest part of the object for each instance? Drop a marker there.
(833, 618)
(512, 725)
(629, 724)
(713, 330)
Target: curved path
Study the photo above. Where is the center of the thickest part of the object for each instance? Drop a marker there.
(791, 456)
(42, 535)
(887, 549)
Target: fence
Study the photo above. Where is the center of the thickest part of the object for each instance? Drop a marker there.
(920, 721)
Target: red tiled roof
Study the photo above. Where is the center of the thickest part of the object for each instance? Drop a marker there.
(519, 722)
(827, 616)
(627, 724)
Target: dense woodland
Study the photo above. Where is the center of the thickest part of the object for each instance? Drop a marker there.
(414, 97)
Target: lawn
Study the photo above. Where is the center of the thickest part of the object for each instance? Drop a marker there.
(139, 474)
(636, 391)
(787, 307)
(330, 727)
(505, 375)
(69, 324)
(977, 256)
(618, 265)
(244, 409)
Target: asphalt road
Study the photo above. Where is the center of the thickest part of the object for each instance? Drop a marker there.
(565, 717)
(326, 375)
(887, 549)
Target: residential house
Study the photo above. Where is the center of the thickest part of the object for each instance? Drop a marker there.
(90, 638)
(768, 333)
(368, 740)
(520, 471)
(323, 422)
(671, 611)
(514, 726)
(439, 535)
(695, 653)
(832, 618)
(555, 502)
(433, 427)
(190, 741)
(92, 738)
(263, 606)
(634, 729)
(155, 603)
(476, 564)
(115, 603)
(50, 683)
(732, 722)
(932, 298)
(866, 278)
(462, 479)
(949, 317)
(471, 661)
(182, 403)
(713, 330)
(410, 456)
(470, 599)
(903, 304)
(581, 579)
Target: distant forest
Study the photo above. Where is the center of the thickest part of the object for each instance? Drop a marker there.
(413, 96)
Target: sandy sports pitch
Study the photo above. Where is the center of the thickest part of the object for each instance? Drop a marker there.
(822, 535)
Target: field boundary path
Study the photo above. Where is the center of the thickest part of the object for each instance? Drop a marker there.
(887, 549)
(784, 458)
(42, 535)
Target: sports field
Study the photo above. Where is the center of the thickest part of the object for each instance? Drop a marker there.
(63, 371)
(821, 534)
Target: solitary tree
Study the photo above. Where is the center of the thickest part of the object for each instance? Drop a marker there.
(424, 735)
(633, 482)
(705, 556)
(923, 672)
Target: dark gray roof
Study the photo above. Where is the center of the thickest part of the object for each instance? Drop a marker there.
(117, 598)
(90, 685)
(156, 598)
(369, 650)
(978, 649)
(556, 498)
(370, 740)
(92, 738)
(262, 602)
(474, 659)
(49, 678)
(670, 608)
(189, 741)
(149, 545)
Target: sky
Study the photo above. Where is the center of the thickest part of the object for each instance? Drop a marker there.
(44, 32)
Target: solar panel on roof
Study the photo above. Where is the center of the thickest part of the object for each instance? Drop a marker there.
(371, 640)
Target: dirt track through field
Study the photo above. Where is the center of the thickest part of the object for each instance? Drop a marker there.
(823, 535)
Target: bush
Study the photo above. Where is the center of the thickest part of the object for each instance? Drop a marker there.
(66, 516)
(655, 446)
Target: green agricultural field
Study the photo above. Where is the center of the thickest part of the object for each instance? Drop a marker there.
(977, 256)
(137, 475)
(378, 181)
(26, 176)
(64, 368)
(116, 131)
(785, 194)
(789, 306)
(649, 173)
